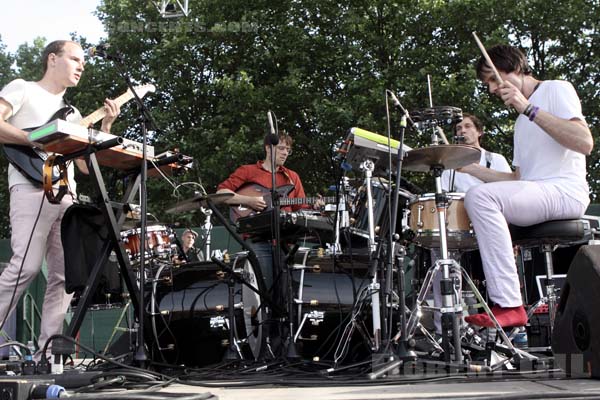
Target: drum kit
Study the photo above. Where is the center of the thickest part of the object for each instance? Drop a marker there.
(219, 309)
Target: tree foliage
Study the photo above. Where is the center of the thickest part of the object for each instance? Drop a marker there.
(322, 67)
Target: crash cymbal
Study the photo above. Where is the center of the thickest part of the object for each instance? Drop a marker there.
(198, 201)
(448, 156)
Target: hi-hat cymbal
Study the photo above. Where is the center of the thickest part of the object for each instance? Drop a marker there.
(447, 156)
(198, 201)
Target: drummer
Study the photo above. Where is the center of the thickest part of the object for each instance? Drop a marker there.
(551, 141)
(469, 131)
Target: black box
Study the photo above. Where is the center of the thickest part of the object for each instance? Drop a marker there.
(538, 330)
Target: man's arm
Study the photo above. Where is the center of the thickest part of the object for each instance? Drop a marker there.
(488, 174)
(574, 134)
(9, 133)
(254, 202)
(112, 112)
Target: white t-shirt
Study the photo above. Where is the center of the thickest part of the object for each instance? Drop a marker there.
(463, 182)
(32, 106)
(540, 157)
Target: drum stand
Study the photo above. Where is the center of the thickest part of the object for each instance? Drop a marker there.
(367, 167)
(207, 228)
(451, 308)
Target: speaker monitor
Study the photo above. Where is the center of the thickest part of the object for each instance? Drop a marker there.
(576, 336)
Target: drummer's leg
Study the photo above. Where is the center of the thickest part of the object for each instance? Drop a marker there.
(491, 207)
(488, 206)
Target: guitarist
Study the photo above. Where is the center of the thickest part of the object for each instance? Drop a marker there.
(260, 174)
(35, 222)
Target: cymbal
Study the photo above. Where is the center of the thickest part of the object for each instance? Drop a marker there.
(448, 156)
(198, 201)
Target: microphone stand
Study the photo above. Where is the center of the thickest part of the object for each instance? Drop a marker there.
(403, 351)
(145, 119)
(292, 352)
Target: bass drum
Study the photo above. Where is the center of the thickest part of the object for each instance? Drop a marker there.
(194, 319)
(324, 306)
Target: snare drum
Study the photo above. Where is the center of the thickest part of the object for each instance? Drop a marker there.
(424, 222)
(159, 240)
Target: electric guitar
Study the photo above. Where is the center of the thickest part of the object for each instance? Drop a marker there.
(30, 160)
(256, 190)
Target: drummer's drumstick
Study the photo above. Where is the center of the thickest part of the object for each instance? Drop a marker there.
(488, 59)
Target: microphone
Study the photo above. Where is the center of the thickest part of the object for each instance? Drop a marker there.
(101, 52)
(273, 139)
(397, 102)
(404, 112)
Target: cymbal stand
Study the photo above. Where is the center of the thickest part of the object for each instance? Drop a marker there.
(207, 228)
(451, 302)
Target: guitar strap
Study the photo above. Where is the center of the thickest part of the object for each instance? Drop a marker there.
(289, 178)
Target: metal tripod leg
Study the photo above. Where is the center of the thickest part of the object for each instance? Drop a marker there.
(499, 329)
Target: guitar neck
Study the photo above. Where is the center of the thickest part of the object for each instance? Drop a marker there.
(294, 201)
(101, 112)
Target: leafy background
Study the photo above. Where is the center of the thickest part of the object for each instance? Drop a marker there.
(322, 67)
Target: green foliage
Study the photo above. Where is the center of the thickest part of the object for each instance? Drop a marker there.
(322, 67)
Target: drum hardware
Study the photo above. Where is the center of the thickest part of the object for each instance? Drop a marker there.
(436, 159)
(197, 202)
(212, 319)
(324, 303)
(367, 167)
(207, 228)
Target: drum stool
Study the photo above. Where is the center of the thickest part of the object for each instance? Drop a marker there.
(548, 236)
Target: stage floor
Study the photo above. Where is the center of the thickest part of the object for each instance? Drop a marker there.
(511, 389)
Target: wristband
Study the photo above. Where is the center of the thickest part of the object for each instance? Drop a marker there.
(528, 109)
(533, 113)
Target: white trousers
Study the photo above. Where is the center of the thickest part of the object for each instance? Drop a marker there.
(25, 203)
(491, 207)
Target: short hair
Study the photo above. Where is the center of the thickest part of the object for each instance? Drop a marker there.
(283, 138)
(476, 121)
(190, 231)
(57, 47)
(506, 59)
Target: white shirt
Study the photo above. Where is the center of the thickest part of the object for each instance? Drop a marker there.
(32, 106)
(463, 182)
(540, 157)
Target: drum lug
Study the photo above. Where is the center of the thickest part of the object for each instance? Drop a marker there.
(420, 208)
(316, 317)
(219, 322)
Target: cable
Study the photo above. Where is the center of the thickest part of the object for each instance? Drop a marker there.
(96, 354)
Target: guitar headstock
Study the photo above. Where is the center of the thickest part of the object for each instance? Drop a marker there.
(143, 90)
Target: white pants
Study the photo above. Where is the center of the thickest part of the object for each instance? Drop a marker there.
(25, 203)
(491, 206)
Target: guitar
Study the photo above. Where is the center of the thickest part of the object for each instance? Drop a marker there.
(30, 160)
(256, 190)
